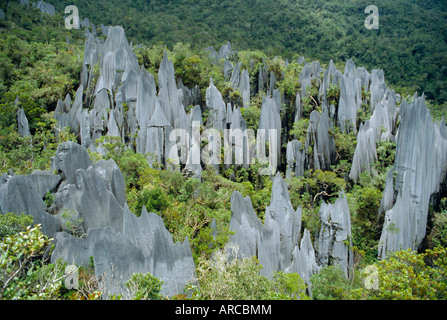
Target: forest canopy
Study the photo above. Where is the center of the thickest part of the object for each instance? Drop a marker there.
(409, 45)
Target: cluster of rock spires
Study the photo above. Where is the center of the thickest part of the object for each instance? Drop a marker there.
(89, 217)
(278, 243)
(42, 6)
(118, 98)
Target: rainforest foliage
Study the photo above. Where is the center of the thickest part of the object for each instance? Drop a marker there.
(409, 45)
(39, 66)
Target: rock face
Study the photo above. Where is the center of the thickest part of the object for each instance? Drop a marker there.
(89, 217)
(421, 166)
(335, 231)
(278, 243)
(46, 8)
(23, 194)
(22, 124)
(318, 151)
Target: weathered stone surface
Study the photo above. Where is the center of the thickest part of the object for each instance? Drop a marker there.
(304, 261)
(227, 69)
(22, 124)
(44, 181)
(277, 243)
(69, 157)
(225, 51)
(365, 151)
(121, 243)
(421, 166)
(335, 231)
(217, 108)
(251, 237)
(244, 88)
(20, 195)
(46, 8)
(280, 215)
(320, 142)
(305, 80)
(169, 261)
(295, 159)
(350, 98)
(270, 121)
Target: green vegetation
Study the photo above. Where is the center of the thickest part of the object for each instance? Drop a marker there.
(410, 50)
(39, 67)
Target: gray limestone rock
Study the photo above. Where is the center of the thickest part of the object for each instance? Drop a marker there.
(142, 245)
(377, 88)
(244, 88)
(365, 151)
(69, 157)
(225, 51)
(421, 166)
(22, 124)
(280, 215)
(350, 99)
(44, 181)
(236, 75)
(227, 69)
(271, 121)
(295, 159)
(305, 80)
(277, 243)
(387, 201)
(217, 108)
(170, 96)
(320, 142)
(304, 261)
(335, 231)
(46, 8)
(20, 194)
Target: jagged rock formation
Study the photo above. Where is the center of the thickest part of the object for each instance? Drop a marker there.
(278, 243)
(335, 231)
(421, 166)
(42, 6)
(25, 194)
(22, 124)
(46, 8)
(270, 122)
(89, 217)
(365, 151)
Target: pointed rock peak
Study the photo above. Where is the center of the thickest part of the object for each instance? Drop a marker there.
(280, 189)
(158, 118)
(349, 67)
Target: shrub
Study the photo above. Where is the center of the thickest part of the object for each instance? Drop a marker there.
(155, 200)
(223, 278)
(11, 223)
(144, 286)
